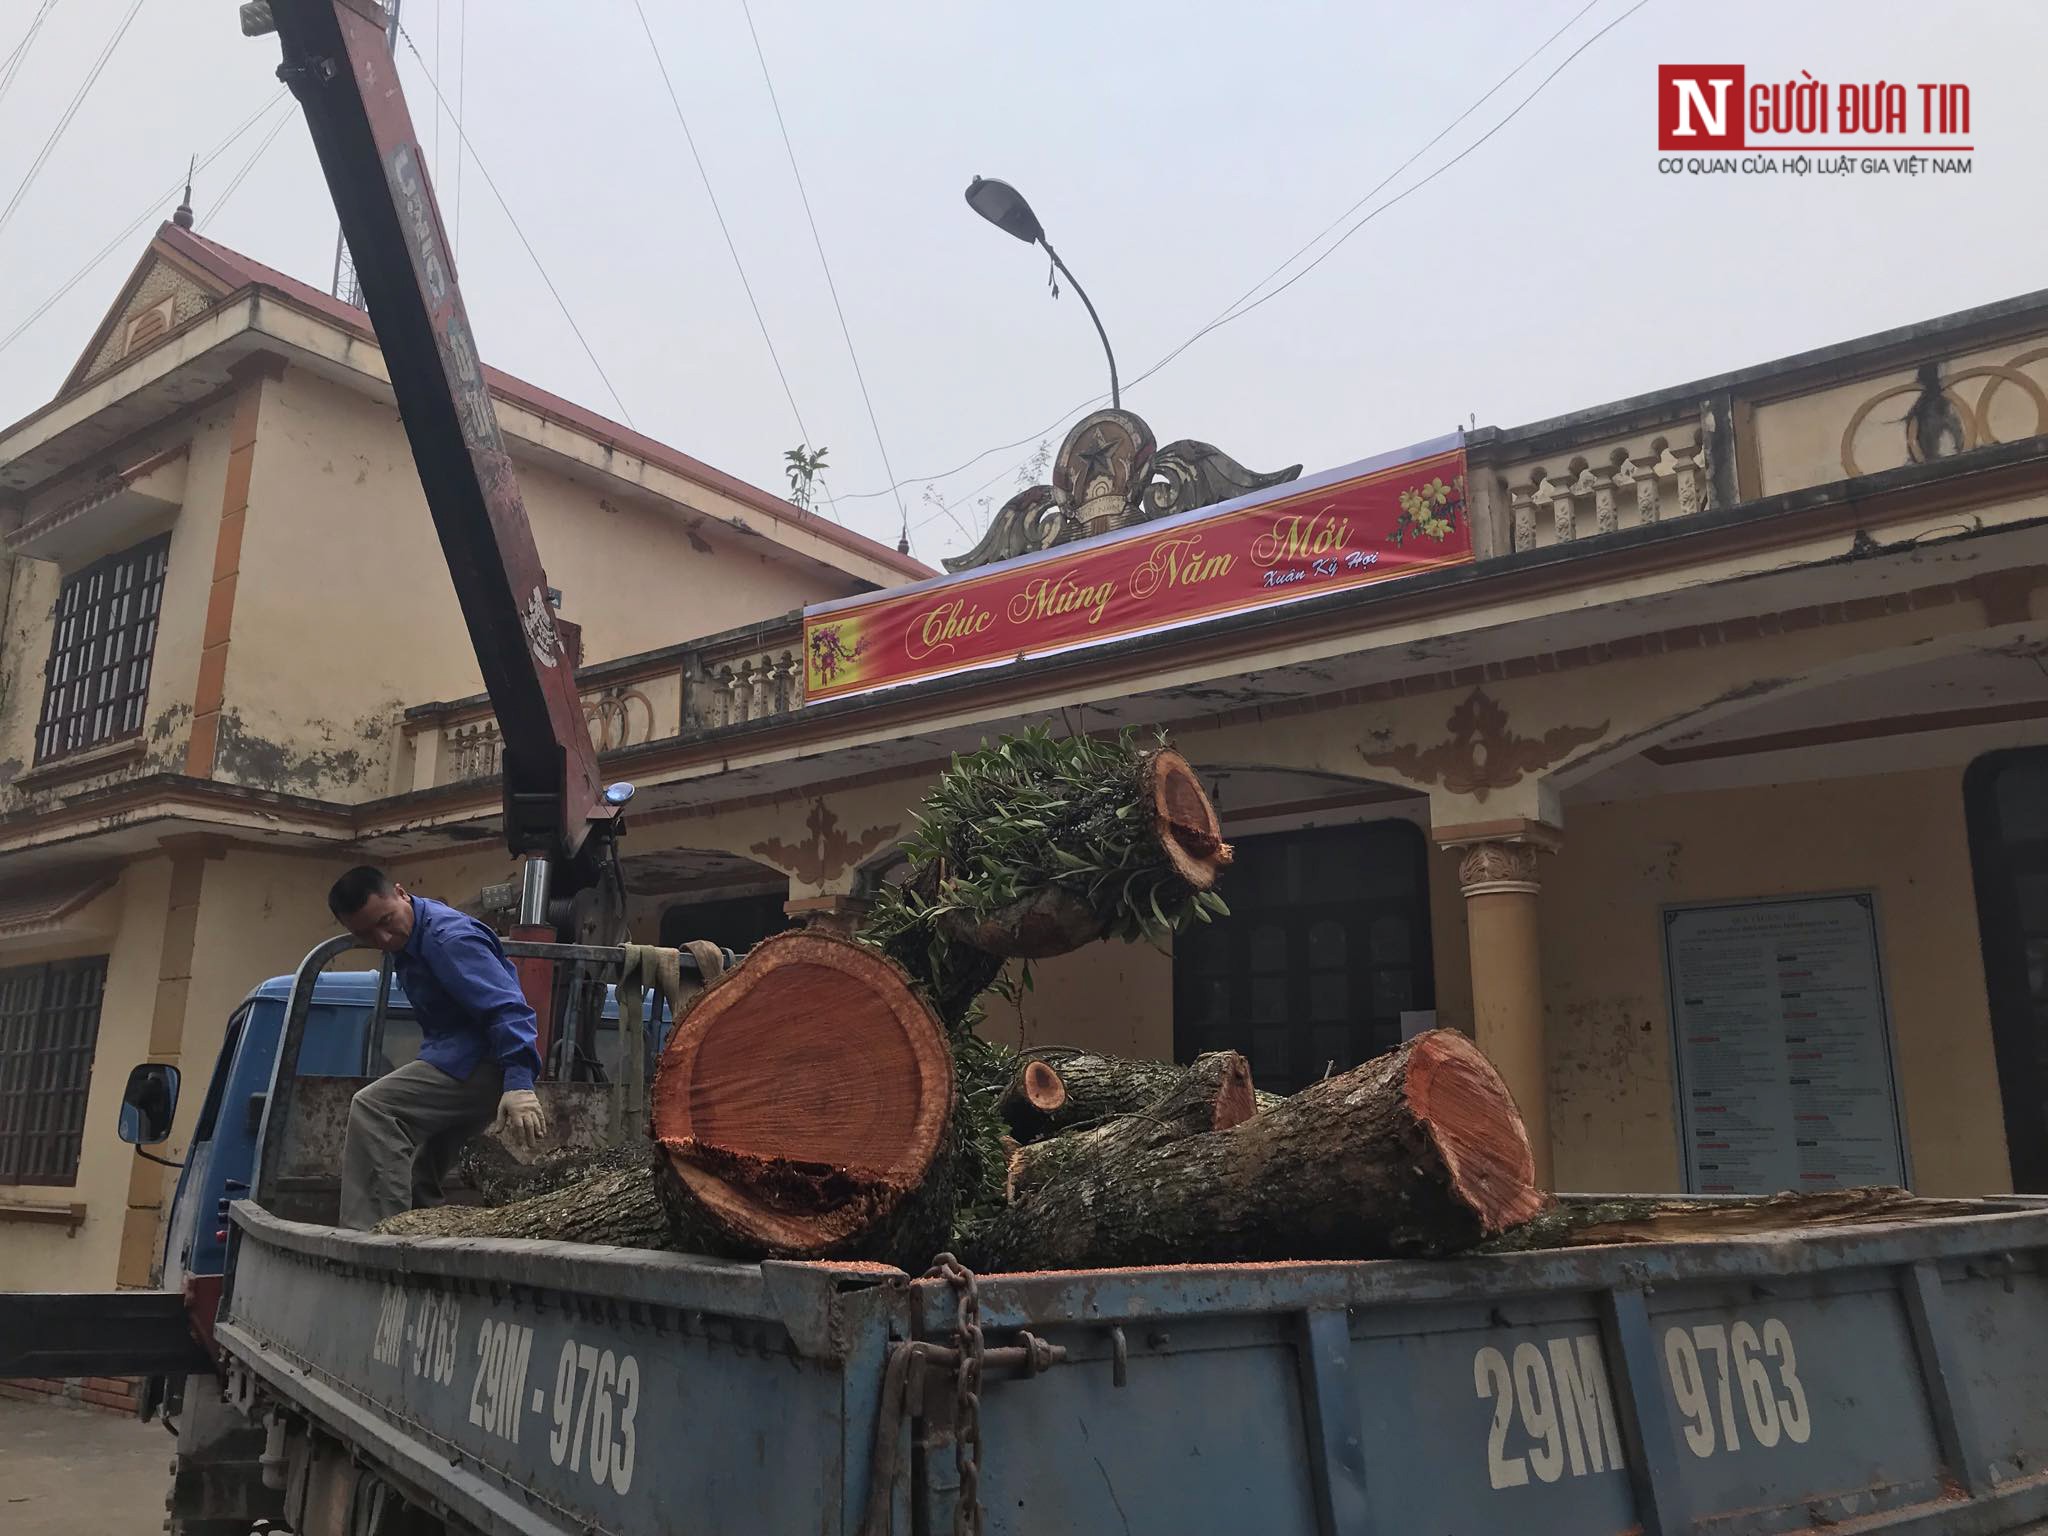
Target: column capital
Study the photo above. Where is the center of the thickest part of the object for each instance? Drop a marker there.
(1498, 868)
(1518, 830)
(828, 914)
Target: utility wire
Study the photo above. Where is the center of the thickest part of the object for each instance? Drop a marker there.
(20, 55)
(818, 241)
(461, 100)
(718, 213)
(1398, 197)
(462, 137)
(1381, 185)
(149, 211)
(234, 182)
(1239, 308)
(1235, 313)
(71, 111)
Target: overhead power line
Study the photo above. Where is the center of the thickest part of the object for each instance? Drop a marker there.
(213, 210)
(818, 241)
(462, 139)
(1386, 180)
(19, 56)
(77, 100)
(705, 176)
(1238, 309)
(461, 99)
(1398, 197)
(151, 210)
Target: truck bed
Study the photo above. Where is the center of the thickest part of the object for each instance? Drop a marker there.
(1884, 1377)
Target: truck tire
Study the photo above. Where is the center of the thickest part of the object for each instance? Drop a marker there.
(217, 1475)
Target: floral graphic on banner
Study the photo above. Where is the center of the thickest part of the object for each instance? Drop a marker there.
(829, 661)
(1430, 510)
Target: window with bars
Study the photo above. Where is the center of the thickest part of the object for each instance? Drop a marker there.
(49, 1023)
(97, 681)
(1326, 946)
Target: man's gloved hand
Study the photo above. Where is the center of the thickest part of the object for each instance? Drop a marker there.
(520, 1120)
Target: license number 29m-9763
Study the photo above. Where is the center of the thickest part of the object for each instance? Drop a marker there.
(1553, 1415)
(589, 1414)
(591, 1411)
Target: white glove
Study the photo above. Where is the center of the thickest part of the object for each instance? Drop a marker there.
(520, 1120)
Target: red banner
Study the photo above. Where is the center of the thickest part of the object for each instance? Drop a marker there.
(1342, 530)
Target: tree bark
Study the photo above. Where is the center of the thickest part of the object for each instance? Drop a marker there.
(1675, 1219)
(799, 1101)
(499, 1178)
(618, 1205)
(1212, 1094)
(1416, 1153)
(1059, 1088)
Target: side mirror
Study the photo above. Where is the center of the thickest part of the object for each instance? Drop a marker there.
(149, 1103)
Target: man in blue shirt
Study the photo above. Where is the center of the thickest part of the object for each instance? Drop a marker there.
(477, 1055)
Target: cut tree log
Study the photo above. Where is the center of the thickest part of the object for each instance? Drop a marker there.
(1068, 901)
(1213, 1093)
(500, 1178)
(799, 1102)
(618, 1205)
(1416, 1153)
(1060, 1088)
(1580, 1223)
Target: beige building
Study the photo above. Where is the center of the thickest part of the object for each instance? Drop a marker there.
(221, 597)
(1711, 795)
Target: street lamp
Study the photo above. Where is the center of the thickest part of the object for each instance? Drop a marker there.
(1004, 206)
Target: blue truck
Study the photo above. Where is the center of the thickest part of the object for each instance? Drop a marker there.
(358, 1025)
(1882, 1377)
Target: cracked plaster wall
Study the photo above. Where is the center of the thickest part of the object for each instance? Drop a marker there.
(345, 614)
(25, 646)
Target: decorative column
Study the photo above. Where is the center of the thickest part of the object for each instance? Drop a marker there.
(1500, 883)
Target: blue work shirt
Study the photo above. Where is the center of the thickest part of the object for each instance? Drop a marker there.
(466, 996)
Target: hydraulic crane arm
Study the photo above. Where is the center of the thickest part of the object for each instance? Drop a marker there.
(336, 65)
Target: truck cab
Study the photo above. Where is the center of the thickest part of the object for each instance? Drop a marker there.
(351, 1035)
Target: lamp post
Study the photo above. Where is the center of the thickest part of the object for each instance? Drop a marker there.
(1004, 206)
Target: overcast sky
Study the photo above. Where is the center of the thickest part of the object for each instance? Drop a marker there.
(1175, 153)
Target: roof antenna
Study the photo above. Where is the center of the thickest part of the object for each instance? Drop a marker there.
(183, 217)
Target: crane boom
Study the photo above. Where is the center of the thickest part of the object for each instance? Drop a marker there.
(336, 65)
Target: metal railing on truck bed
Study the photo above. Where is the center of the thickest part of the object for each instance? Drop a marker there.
(1889, 1377)
(589, 1100)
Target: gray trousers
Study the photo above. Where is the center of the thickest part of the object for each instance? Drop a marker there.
(405, 1131)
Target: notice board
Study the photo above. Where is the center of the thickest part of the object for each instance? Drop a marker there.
(1782, 1046)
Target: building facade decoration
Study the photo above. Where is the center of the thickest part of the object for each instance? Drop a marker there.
(828, 852)
(1108, 475)
(1489, 869)
(1614, 489)
(1941, 421)
(1483, 753)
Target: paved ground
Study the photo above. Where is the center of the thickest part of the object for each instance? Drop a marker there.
(75, 1472)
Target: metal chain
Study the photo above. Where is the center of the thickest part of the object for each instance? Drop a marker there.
(966, 1390)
